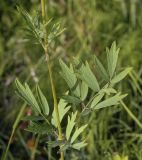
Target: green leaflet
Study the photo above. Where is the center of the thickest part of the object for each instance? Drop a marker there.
(101, 70)
(77, 132)
(108, 91)
(112, 56)
(34, 29)
(71, 124)
(42, 101)
(79, 145)
(121, 75)
(96, 100)
(55, 31)
(83, 90)
(71, 99)
(25, 93)
(110, 101)
(39, 128)
(63, 109)
(56, 143)
(86, 75)
(32, 118)
(70, 77)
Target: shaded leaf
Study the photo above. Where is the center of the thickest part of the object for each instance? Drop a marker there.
(32, 118)
(86, 75)
(101, 70)
(39, 128)
(70, 77)
(71, 99)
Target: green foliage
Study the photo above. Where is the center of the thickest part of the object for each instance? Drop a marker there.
(77, 132)
(42, 101)
(121, 75)
(37, 29)
(63, 109)
(85, 74)
(79, 78)
(83, 37)
(112, 56)
(110, 101)
(101, 70)
(39, 128)
(25, 93)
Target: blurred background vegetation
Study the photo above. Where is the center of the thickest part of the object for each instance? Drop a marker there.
(91, 25)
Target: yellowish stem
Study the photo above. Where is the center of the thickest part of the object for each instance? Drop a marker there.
(51, 79)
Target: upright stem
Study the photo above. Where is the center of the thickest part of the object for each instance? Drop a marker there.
(131, 114)
(51, 78)
(4, 157)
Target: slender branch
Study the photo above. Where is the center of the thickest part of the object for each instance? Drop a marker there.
(131, 114)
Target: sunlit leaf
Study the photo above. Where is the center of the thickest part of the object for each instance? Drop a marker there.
(110, 101)
(70, 125)
(42, 101)
(63, 109)
(83, 90)
(97, 99)
(79, 145)
(25, 93)
(77, 132)
(112, 57)
(121, 75)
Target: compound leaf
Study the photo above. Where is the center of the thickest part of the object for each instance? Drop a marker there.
(25, 93)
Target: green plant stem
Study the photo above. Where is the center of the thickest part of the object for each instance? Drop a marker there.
(135, 82)
(51, 79)
(4, 157)
(43, 9)
(131, 114)
(55, 105)
(35, 148)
